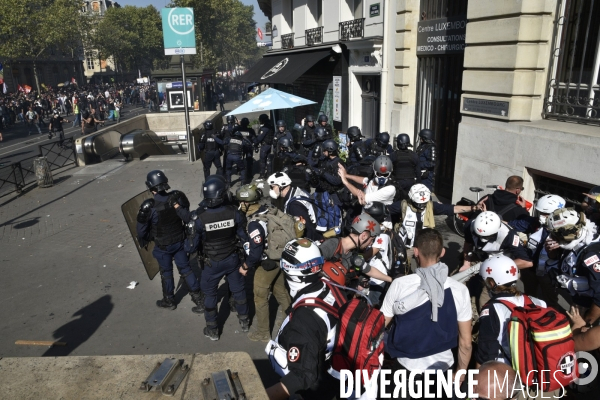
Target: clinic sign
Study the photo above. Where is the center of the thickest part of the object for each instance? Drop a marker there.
(441, 36)
(179, 34)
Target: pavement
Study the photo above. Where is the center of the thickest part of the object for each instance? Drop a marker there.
(66, 259)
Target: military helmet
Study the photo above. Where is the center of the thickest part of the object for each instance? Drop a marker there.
(249, 193)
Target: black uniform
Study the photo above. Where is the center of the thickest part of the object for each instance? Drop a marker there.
(265, 138)
(224, 135)
(210, 144)
(428, 159)
(250, 136)
(407, 170)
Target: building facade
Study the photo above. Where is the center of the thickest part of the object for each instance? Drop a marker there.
(509, 87)
(96, 69)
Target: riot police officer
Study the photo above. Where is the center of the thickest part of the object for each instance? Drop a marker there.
(250, 138)
(308, 130)
(265, 140)
(356, 151)
(327, 169)
(282, 131)
(407, 170)
(297, 171)
(237, 147)
(158, 220)
(226, 133)
(323, 121)
(380, 146)
(284, 155)
(315, 146)
(427, 157)
(210, 146)
(220, 227)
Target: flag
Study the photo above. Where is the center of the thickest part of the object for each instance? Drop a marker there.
(260, 34)
(20, 88)
(27, 88)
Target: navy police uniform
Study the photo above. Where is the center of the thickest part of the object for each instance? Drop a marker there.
(250, 135)
(265, 138)
(427, 158)
(237, 147)
(210, 143)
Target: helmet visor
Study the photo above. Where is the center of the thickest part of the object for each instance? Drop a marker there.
(290, 263)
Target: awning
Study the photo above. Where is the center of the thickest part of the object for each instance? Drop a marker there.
(283, 68)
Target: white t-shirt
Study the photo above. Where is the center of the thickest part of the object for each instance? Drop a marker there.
(400, 289)
(381, 242)
(374, 193)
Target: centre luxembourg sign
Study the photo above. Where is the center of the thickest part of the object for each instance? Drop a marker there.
(441, 36)
(178, 31)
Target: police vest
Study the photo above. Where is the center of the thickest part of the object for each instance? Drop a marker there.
(297, 174)
(268, 139)
(221, 234)
(170, 227)
(279, 355)
(404, 165)
(245, 134)
(415, 335)
(236, 145)
(210, 144)
(496, 245)
(330, 166)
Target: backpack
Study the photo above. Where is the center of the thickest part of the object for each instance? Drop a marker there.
(359, 338)
(280, 230)
(329, 215)
(541, 340)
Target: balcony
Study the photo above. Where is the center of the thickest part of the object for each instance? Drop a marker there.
(352, 29)
(314, 36)
(287, 41)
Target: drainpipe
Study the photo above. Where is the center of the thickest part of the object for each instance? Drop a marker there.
(387, 55)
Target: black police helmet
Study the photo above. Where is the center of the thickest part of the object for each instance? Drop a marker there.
(321, 133)
(245, 122)
(383, 139)
(330, 146)
(208, 125)
(219, 177)
(231, 119)
(310, 118)
(427, 135)
(403, 141)
(263, 118)
(285, 142)
(354, 133)
(323, 118)
(214, 191)
(377, 210)
(281, 123)
(157, 180)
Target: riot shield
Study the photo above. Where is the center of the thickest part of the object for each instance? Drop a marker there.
(130, 210)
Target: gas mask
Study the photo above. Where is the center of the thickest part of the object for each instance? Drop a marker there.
(381, 181)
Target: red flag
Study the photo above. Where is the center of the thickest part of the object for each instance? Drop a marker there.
(20, 88)
(260, 34)
(27, 88)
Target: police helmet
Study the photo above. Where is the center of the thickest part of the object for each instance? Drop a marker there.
(365, 222)
(219, 177)
(330, 146)
(157, 180)
(263, 118)
(214, 191)
(427, 135)
(285, 143)
(245, 122)
(323, 118)
(208, 125)
(281, 123)
(354, 133)
(310, 118)
(231, 119)
(403, 141)
(249, 193)
(321, 133)
(382, 139)
(377, 210)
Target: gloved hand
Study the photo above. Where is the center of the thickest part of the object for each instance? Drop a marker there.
(177, 197)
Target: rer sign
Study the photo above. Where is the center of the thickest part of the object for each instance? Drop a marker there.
(178, 31)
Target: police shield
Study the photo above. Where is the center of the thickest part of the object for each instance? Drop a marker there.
(130, 210)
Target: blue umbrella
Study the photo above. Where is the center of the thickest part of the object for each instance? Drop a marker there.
(271, 99)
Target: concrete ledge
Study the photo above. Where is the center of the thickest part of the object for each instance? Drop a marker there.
(406, 21)
(513, 56)
(117, 377)
(407, 5)
(402, 94)
(520, 108)
(515, 83)
(403, 76)
(533, 28)
(405, 58)
(494, 8)
(406, 40)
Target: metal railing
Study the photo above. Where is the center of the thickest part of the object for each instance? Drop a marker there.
(287, 41)
(314, 36)
(573, 92)
(352, 29)
(14, 177)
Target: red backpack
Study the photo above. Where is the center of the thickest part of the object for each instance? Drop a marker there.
(359, 339)
(541, 340)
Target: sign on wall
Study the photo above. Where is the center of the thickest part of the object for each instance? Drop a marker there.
(337, 98)
(441, 36)
(374, 10)
(179, 34)
(484, 106)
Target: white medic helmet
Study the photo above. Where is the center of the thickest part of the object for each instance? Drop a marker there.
(547, 205)
(280, 179)
(486, 224)
(500, 268)
(301, 257)
(566, 226)
(419, 195)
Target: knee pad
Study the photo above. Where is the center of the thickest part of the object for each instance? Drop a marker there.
(240, 302)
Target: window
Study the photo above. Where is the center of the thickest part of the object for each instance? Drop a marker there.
(90, 63)
(573, 91)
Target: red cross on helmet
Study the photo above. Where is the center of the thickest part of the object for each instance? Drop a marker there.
(419, 195)
(501, 269)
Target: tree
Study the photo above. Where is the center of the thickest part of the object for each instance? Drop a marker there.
(29, 29)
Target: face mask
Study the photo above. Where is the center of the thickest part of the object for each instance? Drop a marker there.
(543, 219)
(381, 181)
(274, 195)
